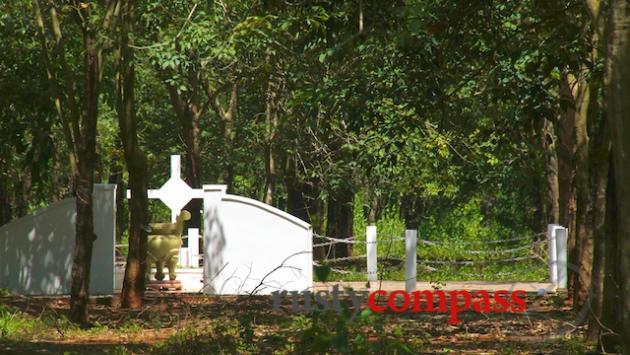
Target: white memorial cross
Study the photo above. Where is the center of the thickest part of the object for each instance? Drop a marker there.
(176, 194)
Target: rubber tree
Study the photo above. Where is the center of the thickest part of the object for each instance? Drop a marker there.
(618, 115)
(77, 109)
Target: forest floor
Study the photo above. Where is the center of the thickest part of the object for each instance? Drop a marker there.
(172, 323)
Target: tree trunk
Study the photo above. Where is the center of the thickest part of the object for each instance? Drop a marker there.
(271, 123)
(373, 210)
(609, 339)
(188, 110)
(5, 206)
(340, 220)
(551, 164)
(411, 209)
(600, 156)
(583, 253)
(228, 132)
(134, 281)
(193, 170)
(116, 177)
(79, 294)
(566, 170)
(296, 192)
(618, 112)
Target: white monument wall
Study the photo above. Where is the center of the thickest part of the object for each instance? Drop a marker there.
(36, 250)
(247, 242)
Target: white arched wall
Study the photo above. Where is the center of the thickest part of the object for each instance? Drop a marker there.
(251, 247)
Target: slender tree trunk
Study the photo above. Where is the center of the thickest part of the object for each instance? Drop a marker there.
(373, 210)
(340, 220)
(22, 194)
(618, 113)
(600, 157)
(566, 169)
(551, 164)
(296, 192)
(134, 281)
(270, 174)
(79, 293)
(228, 133)
(193, 168)
(411, 209)
(271, 124)
(116, 177)
(5, 205)
(609, 339)
(583, 253)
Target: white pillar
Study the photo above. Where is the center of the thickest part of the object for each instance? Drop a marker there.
(411, 237)
(213, 237)
(183, 257)
(553, 255)
(193, 247)
(370, 239)
(103, 269)
(561, 256)
(175, 171)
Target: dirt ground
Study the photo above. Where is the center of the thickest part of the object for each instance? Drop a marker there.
(548, 326)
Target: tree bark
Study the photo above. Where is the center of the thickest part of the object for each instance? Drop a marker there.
(188, 110)
(566, 169)
(297, 204)
(134, 281)
(583, 253)
(271, 124)
(116, 177)
(5, 206)
(79, 293)
(411, 209)
(609, 339)
(600, 157)
(551, 164)
(618, 113)
(340, 220)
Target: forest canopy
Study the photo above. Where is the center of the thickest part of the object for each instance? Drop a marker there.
(466, 120)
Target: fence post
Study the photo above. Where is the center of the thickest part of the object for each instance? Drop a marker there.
(553, 255)
(193, 247)
(370, 241)
(561, 256)
(411, 239)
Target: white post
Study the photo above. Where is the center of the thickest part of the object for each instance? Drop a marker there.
(193, 247)
(213, 237)
(411, 237)
(553, 255)
(561, 256)
(183, 257)
(370, 239)
(175, 171)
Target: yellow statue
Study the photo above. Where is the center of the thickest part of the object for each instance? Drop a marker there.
(164, 241)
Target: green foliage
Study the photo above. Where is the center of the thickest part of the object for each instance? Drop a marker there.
(15, 325)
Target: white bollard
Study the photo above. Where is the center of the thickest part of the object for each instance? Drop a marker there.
(562, 235)
(193, 247)
(411, 239)
(370, 240)
(183, 257)
(553, 255)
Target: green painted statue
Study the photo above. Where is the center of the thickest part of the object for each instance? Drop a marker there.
(164, 240)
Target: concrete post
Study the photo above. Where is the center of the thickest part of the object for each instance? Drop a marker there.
(553, 255)
(411, 239)
(370, 238)
(561, 256)
(193, 247)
